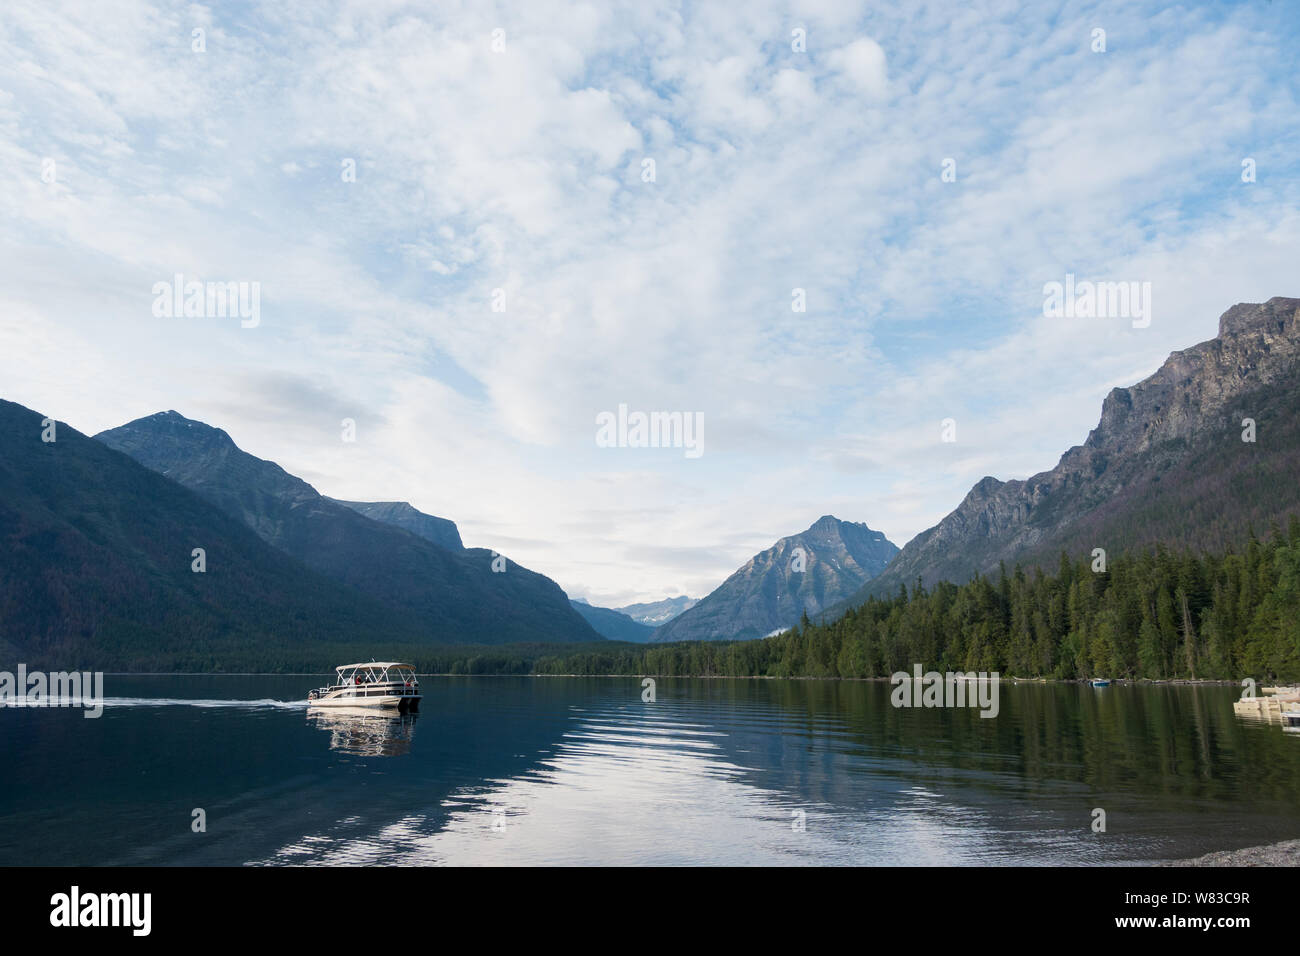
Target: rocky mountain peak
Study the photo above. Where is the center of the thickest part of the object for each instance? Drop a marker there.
(801, 573)
(1157, 466)
(1257, 342)
(1274, 316)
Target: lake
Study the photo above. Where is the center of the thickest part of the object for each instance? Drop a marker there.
(502, 770)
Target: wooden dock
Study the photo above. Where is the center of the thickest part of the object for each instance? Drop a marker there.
(1279, 705)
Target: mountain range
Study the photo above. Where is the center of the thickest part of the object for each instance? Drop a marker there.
(98, 568)
(98, 565)
(804, 573)
(655, 613)
(453, 592)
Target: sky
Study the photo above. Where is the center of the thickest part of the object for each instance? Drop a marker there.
(474, 228)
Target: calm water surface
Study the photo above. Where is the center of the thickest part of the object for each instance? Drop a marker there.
(581, 771)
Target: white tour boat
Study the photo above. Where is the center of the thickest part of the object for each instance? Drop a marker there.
(377, 684)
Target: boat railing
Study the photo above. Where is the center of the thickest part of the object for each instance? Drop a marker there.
(400, 688)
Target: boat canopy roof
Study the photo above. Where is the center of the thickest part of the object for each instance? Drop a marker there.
(379, 664)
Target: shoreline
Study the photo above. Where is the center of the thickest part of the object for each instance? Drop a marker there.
(1285, 853)
(1182, 681)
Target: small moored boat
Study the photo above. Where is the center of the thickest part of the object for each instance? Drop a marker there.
(377, 684)
(1101, 682)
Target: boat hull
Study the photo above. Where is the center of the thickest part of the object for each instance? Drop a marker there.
(386, 700)
(403, 702)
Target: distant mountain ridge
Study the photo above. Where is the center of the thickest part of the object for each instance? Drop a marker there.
(655, 613)
(1166, 464)
(803, 573)
(613, 624)
(456, 594)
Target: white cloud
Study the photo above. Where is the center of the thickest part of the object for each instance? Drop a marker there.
(862, 64)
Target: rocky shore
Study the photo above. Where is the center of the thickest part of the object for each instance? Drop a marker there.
(1286, 853)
